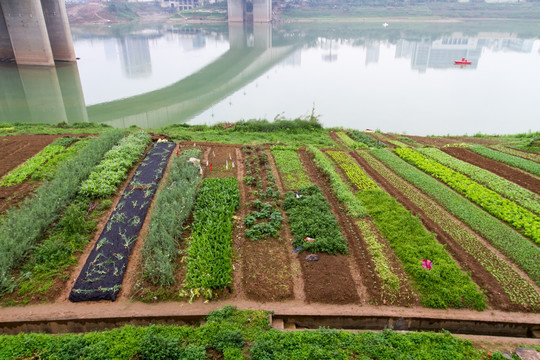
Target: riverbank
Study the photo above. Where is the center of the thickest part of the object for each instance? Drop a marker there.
(98, 13)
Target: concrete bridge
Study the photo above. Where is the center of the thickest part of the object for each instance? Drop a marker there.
(36, 32)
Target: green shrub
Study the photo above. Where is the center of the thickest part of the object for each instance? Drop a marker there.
(159, 347)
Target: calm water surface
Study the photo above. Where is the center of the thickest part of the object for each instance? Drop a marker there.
(401, 78)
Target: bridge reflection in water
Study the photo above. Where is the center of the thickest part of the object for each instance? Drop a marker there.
(41, 94)
(53, 95)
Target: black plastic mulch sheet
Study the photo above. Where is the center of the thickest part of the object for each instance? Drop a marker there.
(102, 275)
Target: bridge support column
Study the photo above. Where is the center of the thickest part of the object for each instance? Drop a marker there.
(6, 51)
(236, 10)
(28, 32)
(262, 10)
(57, 23)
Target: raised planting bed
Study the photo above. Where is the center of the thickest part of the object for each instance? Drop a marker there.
(23, 227)
(312, 223)
(508, 189)
(102, 275)
(504, 209)
(503, 284)
(518, 162)
(209, 265)
(292, 172)
(22, 172)
(172, 208)
(521, 250)
(266, 267)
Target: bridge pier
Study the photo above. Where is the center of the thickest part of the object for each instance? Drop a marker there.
(6, 51)
(262, 11)
(38, 31)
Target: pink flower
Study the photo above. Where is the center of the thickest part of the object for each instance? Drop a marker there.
(426, 264)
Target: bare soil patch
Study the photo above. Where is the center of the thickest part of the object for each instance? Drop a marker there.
(516, 176)
(447, 140)
(15, 150)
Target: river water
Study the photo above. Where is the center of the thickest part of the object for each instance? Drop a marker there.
(397, 78)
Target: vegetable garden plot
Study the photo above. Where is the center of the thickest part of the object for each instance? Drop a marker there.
(506, 171)
(518, 153)
(102, 275)
(265, 260)
(440, 287)
(503, 284)
(517, 162)
(492, 202)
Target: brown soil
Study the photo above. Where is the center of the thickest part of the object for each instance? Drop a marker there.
(266, 265)
(442, 141)
(15, 150)
(294, 258)
(497, 298)
(366, 266)
(337, 140)
(522, 179)
(341, 273)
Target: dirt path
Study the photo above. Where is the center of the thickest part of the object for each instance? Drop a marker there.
(512, 174)
(497, 298)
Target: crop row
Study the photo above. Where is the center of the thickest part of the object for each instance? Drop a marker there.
(350, 143)
(310, 216)
(172, 207)
(522, 251)
(105, 178)
(47, 170)
(523, 154)
(523, 164)
(20, 173)
(293, 173)
(390, 281)
(492, 202)
(363, 138)
(445, 285)
(358, 178)
(102, 274)
(339, 187)
(519, 290)
(22, 227)
(510, 190)
(209, 255)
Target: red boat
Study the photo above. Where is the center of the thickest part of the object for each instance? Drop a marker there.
(463, 61)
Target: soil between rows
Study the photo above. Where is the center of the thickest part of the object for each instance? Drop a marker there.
(14, 151)
(514, 175)
(61, 308)
(497, 298)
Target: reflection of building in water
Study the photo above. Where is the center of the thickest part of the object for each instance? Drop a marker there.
(135, 56)
(372, 52)
(441, 53)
